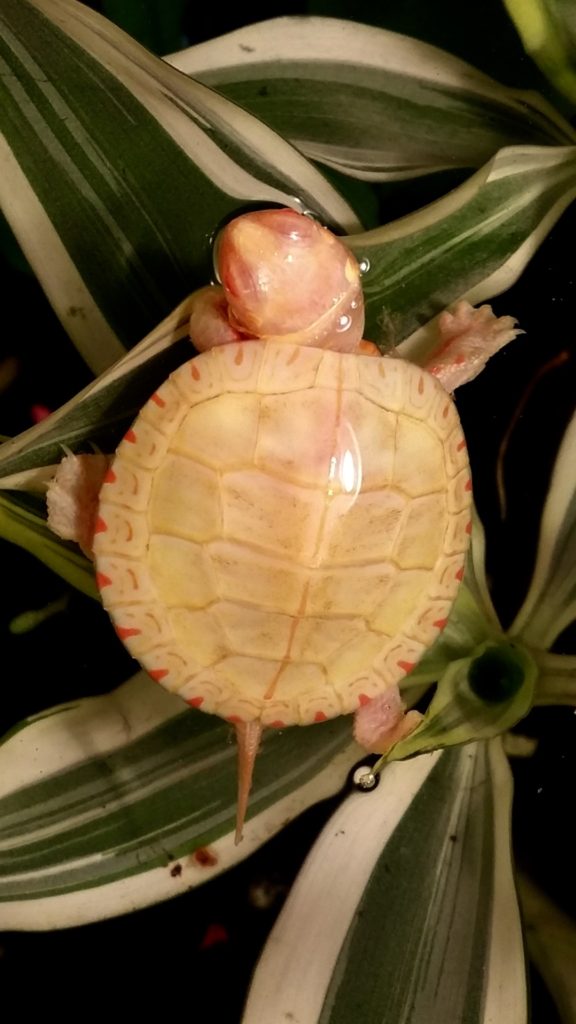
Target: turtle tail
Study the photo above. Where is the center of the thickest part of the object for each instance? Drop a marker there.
(248, 735)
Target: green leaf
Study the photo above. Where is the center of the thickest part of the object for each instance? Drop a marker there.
(556, 678)
(117, 169)
(370, 103)
(477, 697)
(550, 605)
(23, 524)
(548, 31)
(551, 941)
(425, 923)
(473, 243)
(117, 802)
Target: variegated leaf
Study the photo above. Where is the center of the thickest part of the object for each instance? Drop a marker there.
(473, 244)
(117, 802)
(405, 909)
(368, 102)
(117, 169)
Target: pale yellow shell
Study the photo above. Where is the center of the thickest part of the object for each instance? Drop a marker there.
(283, 530)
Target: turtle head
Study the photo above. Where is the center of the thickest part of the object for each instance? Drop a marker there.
(287, 277)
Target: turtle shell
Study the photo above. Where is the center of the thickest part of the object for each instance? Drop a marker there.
(282, 531)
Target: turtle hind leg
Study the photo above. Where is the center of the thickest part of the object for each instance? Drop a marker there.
(248, 736)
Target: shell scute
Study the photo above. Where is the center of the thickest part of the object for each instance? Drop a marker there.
(221, 433)
(280, 517)
(171, 510)
(288, 368)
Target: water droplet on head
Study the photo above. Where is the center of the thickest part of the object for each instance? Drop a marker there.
(364, 265)
(344, 322)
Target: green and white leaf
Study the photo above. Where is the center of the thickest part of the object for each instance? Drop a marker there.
(550, 605)
(548, 31)
(102, 799)
(23, 523)
(116, 170)
(405, 909)
(368, 102)
(556, 678)
(472, 244)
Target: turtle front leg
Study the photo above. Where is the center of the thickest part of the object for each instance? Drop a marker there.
(72, 498)
(468, 337)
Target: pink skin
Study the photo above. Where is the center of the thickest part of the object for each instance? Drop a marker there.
(286, 278)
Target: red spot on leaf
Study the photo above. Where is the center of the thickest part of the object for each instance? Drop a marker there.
(125, 631)
(195, 371)
(100, 526)
(214, 934)
(363, 699)
(158, 401)
(102, 580)
(158, 673)
(406, 666)
(320, 717)
(205, 857)
(110, 477)
(195, 702)
(130, 436)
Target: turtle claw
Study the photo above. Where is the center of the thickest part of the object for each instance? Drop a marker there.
(248, 736)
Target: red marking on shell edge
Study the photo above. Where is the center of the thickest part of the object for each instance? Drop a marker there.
(320, 717)
(130, 436)
(420, 385)
(158, 401)
(234, 719)
(100, 526)
(468, 485)
(440, 623)
(110, 477)
(195, 371)
(446, 410)
(363, 699)
(461, 444)
(469, 527)
(157, 673)
(125, 631)
(277, 724)
(102, 580)
(460, 574)
(406, 666)
(239, 357)
(195, 702)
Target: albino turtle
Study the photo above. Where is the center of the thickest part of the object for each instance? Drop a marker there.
(282, 531)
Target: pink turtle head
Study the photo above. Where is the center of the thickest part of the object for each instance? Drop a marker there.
(284, 275)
